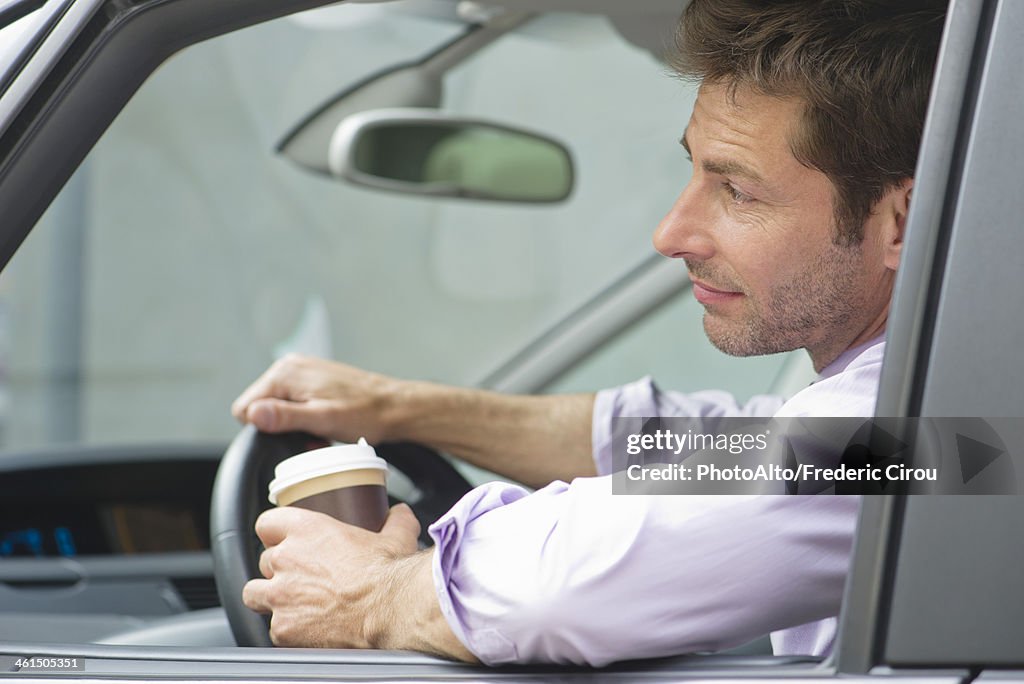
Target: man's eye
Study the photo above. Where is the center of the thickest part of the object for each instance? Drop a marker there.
(736, 195)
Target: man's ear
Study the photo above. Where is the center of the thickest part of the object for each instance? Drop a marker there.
(897, 203)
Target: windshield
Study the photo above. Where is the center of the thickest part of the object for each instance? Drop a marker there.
(184, 256)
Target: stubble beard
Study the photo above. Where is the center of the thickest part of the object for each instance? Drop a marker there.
(813, 310)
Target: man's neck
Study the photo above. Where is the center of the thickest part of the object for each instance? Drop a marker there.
(822, 356)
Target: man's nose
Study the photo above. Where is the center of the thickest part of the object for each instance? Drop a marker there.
(683, 233)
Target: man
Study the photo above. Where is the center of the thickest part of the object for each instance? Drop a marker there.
(803, 138)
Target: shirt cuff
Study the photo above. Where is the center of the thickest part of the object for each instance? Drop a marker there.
(488, 645)
(614, 403)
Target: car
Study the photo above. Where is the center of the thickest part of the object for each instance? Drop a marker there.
(180, 208)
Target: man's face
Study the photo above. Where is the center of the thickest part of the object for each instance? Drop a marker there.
(756, 229)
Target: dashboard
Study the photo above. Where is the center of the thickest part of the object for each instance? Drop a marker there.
(69, 530)
(94, 540)
(106, 509)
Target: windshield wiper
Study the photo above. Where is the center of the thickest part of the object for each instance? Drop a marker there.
(13, 10)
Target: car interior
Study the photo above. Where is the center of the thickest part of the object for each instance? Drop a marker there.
(210, 231)
(193, 188)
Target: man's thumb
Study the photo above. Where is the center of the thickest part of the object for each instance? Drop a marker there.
(402, 524)
(278, 415)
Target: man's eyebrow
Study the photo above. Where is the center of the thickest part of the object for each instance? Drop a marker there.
(731, 168)
(724, 168)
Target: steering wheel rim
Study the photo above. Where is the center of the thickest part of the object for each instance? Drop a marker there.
(238, 498)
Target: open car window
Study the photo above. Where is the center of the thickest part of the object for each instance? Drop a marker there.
(72, 369)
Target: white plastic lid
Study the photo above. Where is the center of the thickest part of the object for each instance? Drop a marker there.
(326, 461)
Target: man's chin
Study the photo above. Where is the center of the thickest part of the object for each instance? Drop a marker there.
(737, 339)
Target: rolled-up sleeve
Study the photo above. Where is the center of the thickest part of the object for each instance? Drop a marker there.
(574, 574)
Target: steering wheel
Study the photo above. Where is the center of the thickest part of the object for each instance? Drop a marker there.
(239, 496)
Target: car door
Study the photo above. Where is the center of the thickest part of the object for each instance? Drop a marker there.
(935, 581)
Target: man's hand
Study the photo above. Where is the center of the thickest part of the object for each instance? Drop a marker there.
(324, 397)
(339, 586)
(531, 439)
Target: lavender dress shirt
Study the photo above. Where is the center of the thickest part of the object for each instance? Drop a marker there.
(573, 574)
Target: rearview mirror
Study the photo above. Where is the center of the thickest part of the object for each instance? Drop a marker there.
(428, 152)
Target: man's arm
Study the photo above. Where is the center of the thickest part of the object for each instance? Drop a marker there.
(567, 574)
(532, 439)
(520, 578)
(574, 574)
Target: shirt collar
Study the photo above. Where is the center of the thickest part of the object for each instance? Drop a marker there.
(844, 359)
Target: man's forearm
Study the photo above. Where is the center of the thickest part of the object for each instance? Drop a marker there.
(532, 439)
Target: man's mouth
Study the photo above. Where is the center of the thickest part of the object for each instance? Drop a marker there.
(707, 294)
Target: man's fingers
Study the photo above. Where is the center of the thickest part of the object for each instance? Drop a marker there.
(275, 383)
(275, 524)
(239, 407)
(256, 595)
(265, 415)
(279, 415)
(402, 525)
(264, 386)
(267, 564)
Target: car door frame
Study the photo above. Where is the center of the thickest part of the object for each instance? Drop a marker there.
(933, 583)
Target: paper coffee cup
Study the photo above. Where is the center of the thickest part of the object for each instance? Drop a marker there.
(347, 482)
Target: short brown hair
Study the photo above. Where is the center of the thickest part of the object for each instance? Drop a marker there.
(863, 68)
